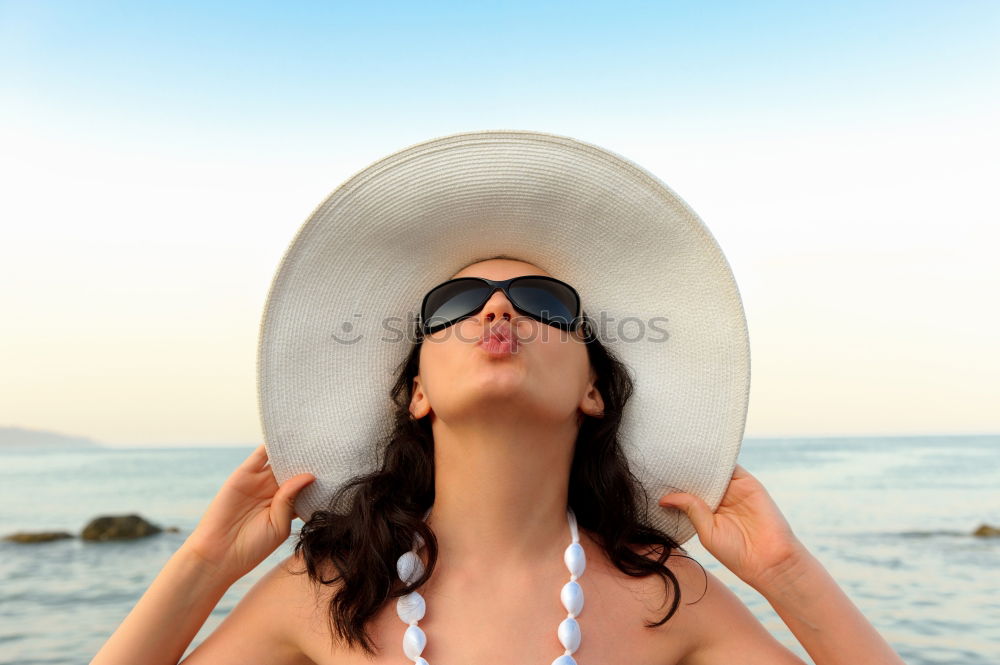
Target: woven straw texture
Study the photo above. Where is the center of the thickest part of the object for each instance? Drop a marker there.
(341, 306)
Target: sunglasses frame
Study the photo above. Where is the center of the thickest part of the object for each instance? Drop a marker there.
(503, 285)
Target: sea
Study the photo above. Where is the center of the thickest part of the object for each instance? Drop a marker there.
(891, 518)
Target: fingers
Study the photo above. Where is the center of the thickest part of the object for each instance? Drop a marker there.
(696, 510)
(747, 478)
(256, 459)
(283, 504)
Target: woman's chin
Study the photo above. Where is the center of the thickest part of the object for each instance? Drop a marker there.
(499, 382)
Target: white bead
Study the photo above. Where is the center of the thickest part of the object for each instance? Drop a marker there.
(410, 567)
(421, 661)
(575, 559)
(564, 660)
(411, 607)
(414, 641)
(569, 634)
(571, 597)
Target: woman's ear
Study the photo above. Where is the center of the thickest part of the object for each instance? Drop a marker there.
(592, 403)
(420, 406)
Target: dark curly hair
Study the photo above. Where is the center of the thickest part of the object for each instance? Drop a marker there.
(388, 505)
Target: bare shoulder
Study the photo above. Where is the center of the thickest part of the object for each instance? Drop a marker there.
(678, 635)
(710, 623)
(307, 622)
(268, 621)
(717, 626)
(300, 608)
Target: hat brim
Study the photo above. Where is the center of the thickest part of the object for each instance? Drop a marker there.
(339, 312)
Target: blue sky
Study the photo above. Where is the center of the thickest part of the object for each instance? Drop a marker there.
(844, 155)
(239, 69)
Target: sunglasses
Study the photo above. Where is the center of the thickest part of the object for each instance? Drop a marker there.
(542, 298)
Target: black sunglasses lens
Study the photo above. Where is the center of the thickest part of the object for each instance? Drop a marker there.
(552, 301)
(453, 300)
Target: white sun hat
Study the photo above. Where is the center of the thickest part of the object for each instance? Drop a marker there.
(648, 271)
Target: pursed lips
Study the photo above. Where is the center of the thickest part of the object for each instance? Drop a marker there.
(499, 338)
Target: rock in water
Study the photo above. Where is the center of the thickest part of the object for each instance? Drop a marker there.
(118, 527)
(986, 530)
(39, 537)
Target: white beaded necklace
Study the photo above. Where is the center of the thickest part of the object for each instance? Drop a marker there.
(412, 606)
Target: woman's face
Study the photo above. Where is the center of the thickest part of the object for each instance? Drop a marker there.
(546, 376)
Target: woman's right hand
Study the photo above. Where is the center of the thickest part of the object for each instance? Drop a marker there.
(250, 517)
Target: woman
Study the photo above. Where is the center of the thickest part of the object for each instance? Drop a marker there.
(522, 453)
(504, 424)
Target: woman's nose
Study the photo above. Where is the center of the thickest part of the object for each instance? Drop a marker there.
(498, 307)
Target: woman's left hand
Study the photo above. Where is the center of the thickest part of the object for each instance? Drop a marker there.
(747, 533)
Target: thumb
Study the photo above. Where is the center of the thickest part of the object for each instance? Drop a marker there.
(283, 503)
(696, 510)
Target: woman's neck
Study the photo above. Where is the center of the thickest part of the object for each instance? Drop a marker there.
(500, 495)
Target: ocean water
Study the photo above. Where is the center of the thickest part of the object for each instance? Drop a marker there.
(890, 518)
